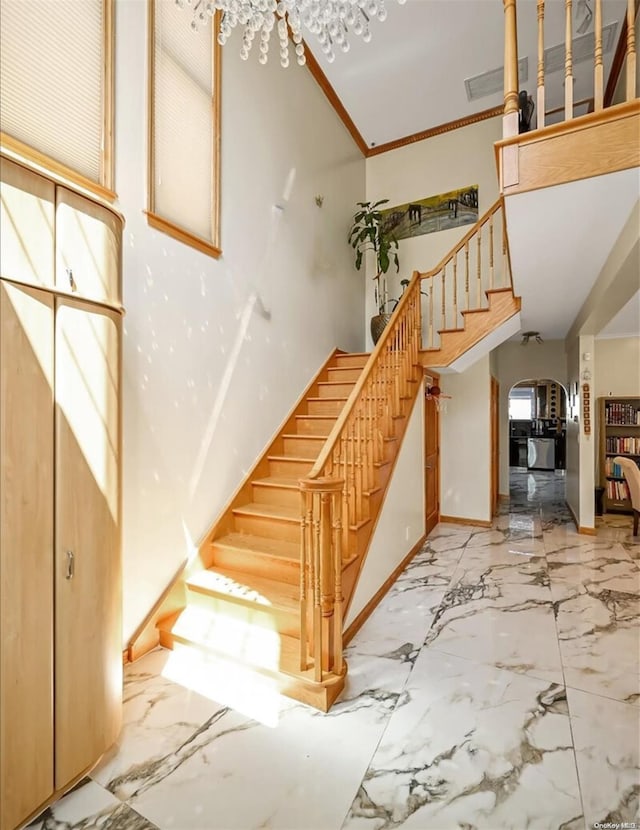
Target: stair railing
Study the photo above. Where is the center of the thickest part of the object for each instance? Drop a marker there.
(335, 494)
(479, 262)
(601, 98)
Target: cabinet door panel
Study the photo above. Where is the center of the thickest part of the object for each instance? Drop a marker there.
(87, 247)
(88, 660)
(27, 205)
(26, 551)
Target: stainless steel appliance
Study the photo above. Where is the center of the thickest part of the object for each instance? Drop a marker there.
(541, 453)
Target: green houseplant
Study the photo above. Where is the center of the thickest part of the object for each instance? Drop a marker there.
(367, 234)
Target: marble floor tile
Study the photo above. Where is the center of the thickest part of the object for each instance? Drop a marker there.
(471, 746)
(606, 737)
(90, 807)
(453, 715)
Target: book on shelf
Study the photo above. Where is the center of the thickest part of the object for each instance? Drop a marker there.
(624, 444)
(617, 491)
(617, 413)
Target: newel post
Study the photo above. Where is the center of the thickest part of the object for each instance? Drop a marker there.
(511, 80)
(321, 575)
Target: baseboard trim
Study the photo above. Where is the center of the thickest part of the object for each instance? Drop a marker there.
(585, 531)
(366, 612)
(504, 497)
(460, 520)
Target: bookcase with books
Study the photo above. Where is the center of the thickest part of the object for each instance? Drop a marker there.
(619, 421)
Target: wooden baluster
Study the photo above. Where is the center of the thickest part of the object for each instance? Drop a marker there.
(598, 77)
(540, 105)
(491, 252)
(359, 483)
(305, 548)
(479, 273)
(631, 51)
(455, 290)
(443, 322)
(568, 63)
(338, 664)
(317, 593)
(466, 273)
(511, 81)
(430, 312)
(397, 410)
(505, 264)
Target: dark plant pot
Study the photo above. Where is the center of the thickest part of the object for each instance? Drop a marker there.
(378, 325)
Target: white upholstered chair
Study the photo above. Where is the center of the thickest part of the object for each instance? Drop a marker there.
(631, 472)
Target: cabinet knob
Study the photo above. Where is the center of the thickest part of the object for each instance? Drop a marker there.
(71, 566)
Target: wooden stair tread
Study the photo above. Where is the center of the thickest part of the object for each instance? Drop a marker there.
(237, 585)
(342, 398)
(291, 458)
(474, 310)
(318, 417)
(282, 512)
(312, 436)
(504, 289)
(277, 481)
(279, 548)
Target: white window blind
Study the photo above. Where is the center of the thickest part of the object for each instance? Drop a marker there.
(52, 59)
(183, 127)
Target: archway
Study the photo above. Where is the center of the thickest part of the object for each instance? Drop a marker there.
(537, 440)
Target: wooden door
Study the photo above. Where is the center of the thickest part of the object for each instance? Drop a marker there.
(88, 658)
(495, 445)
(27, 204)
(431, 461)
(26, 551)
(88, 244)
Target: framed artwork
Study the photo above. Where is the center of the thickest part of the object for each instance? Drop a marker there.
(433, 213)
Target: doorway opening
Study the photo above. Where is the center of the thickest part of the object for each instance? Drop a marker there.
(537, 440)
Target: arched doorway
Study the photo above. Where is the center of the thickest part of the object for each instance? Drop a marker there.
(537, 440)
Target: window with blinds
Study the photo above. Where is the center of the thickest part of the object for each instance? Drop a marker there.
(56, 69)
(183, 127)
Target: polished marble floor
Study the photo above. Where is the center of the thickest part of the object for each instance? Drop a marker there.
(495, 686)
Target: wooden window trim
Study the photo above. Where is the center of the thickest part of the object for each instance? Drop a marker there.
(20, 151)
(154, 219)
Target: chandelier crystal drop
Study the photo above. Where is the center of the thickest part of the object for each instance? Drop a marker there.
(331, 21)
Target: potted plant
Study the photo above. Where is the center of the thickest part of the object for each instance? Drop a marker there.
(367, 234)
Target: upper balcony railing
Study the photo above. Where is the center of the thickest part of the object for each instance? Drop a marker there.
(511, 90)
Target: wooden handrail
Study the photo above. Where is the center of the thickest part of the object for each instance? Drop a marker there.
(465, 239)
(335, 433)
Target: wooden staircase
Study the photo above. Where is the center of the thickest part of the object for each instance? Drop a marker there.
(246, 586)
(274, 576)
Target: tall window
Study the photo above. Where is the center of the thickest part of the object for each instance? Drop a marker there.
(184, 108)
(56, 65)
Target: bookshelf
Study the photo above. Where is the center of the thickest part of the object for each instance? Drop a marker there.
(619, 423)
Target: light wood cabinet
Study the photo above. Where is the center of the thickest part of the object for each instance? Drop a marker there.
(60, 573)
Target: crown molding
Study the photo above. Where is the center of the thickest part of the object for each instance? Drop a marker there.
(449, 126)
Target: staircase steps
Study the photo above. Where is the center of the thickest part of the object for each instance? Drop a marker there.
(276, 490)
(326, 406)
(274, 521)
(259, 555)
(315, 424)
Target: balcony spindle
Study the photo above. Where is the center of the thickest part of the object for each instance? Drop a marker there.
(598, 78)
(479, 274)
(455, 290)
(443, 321)
(491, 275)
(511, 81)
(631, 50)
(540, 97)
(466, 273)
(568, 62)
(431, 313)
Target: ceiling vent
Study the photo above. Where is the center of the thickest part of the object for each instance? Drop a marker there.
(493, 81)
(583, 49)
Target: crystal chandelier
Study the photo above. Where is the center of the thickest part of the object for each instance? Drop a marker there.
(330, 20)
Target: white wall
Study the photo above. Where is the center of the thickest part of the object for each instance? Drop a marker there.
(437, 165)
(216, 352)
(401, 521)
(465, 443)
(617, 367)
(515, 362)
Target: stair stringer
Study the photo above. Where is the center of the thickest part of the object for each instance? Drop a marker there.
(478, 323)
